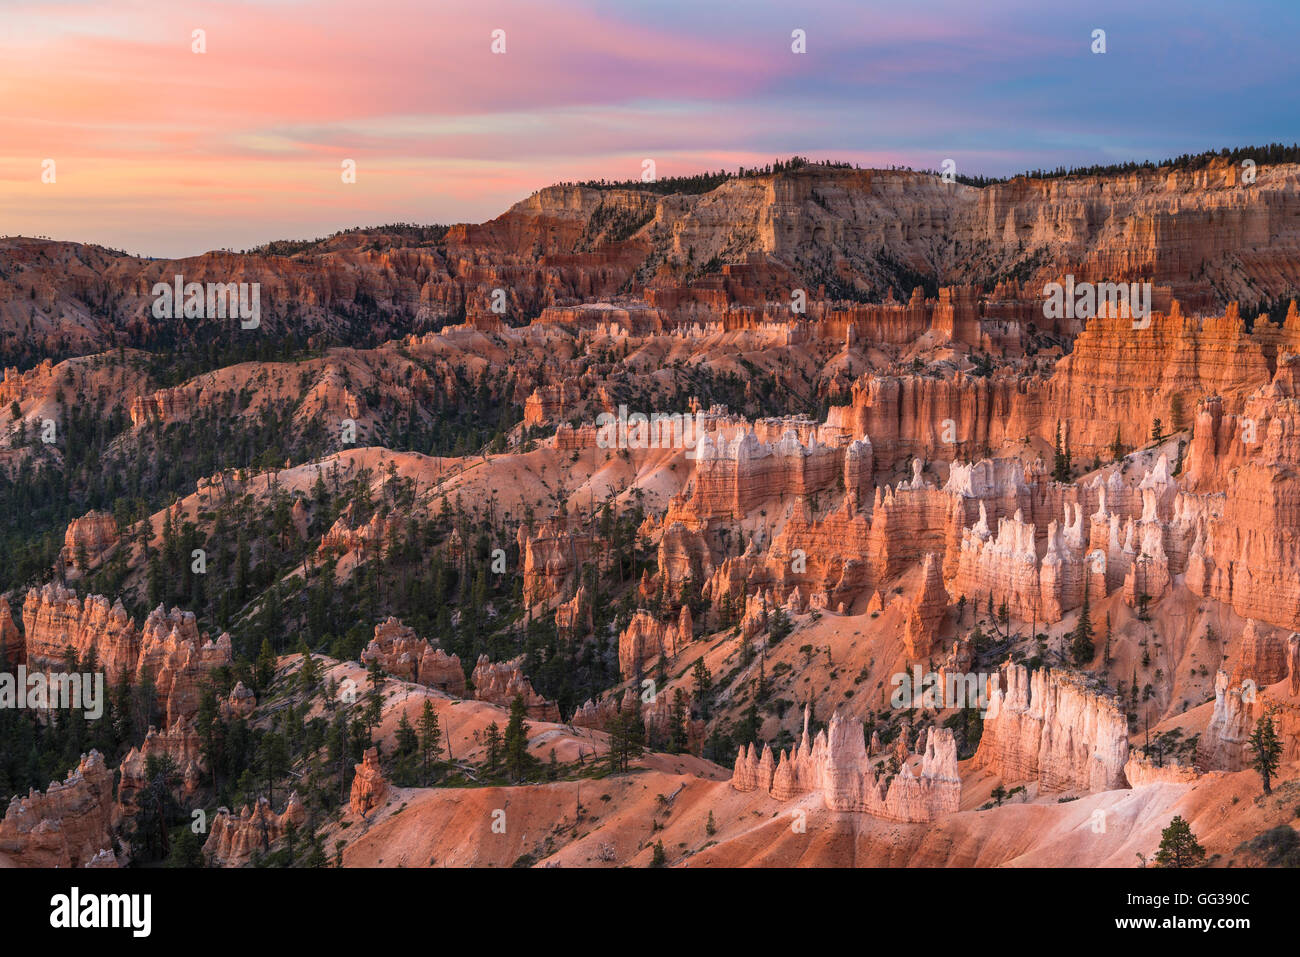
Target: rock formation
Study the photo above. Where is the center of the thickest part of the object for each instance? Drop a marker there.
(366, 540)
(369, 785)
(552, 558)
(837, 766)
(13, 650)
(1264, 657)
(925, 611)
(168, 645)
(67, 825)
(500, 682)
(655, 717)
(182, 745)
(1048, 728)
(646, 639)
(1141, 771)
(233, 841)
(240, 703)
(401, 654)
(87, 540)
(573, 618)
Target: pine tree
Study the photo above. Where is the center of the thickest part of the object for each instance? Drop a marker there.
(375, 697)
(616, 729)
(1082, 648)
(780, 625)
(492, 741)
(1178, 846)
(677, 733)
(309, 673)
(703, 685)
(430, 737)
(265, 666)
(1267, 750)
(660, 858)
(1060, 458)
(407, 740)
(518, 760)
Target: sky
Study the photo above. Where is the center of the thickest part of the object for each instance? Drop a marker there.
(160, 150)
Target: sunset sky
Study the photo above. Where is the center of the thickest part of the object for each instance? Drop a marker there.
(166, 152)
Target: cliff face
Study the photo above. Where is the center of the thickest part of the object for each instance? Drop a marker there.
(1049, 729)
(1246, 550)
(836, 765)
(168, 646)
(1203, 237)
(732, 477)
(66, 826)
(1265, 656)
(1119, 380)
(907, 417)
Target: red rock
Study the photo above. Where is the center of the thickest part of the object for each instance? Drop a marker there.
(13, 650)
(240, 703)
(573, 619)
(552, 559)
(925, 611)
(66, 826)
(169, 645)
(233, 841)
(366, 540)
(403, 655)
(368, 786)
(1263, 658)
(95, 533)
(501, 682)
(645, 640)
(181, 743)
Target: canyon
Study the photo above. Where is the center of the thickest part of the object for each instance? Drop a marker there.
(412, 583)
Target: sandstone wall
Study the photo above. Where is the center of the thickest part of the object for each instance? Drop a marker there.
(1047, 727)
